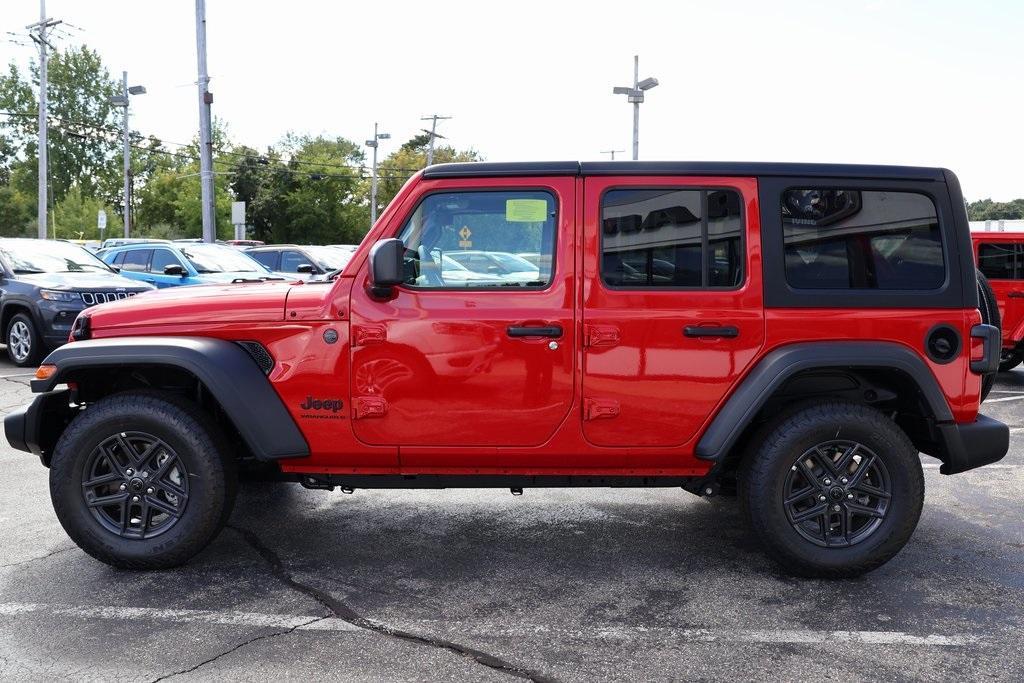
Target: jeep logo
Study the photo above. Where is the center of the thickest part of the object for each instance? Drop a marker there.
(331, 404)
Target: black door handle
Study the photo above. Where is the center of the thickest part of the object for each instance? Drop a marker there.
(701, 331)
(550, 331)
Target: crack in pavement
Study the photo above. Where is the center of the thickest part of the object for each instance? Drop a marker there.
(254, 639)
(342, 611)
(37, 559)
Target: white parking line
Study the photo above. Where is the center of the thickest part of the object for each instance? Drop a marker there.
(1006, 391)
(25, 374)
(1004, 398)
(333, 624)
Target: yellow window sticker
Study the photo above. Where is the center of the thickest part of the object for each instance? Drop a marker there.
(526, 210)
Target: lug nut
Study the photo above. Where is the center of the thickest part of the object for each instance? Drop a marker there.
(821, 498)
(828, 482)
(135, 499)
(849, 496)
(845, 480)
(836, 508)
(124, 486)
(149, 492)
(129, 472)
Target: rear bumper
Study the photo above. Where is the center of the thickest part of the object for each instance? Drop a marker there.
(974, 444)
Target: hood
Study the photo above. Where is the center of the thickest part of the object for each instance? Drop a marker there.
(245, 302)
(83, 281)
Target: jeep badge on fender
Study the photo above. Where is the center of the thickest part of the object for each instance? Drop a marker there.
(791, 334)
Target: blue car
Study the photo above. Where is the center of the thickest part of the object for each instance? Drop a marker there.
(176, 264)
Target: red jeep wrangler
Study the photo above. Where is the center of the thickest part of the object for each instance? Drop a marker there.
(1000, 257)
(794, 334)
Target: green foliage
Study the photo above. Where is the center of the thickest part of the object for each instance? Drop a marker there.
(74, 217)
(305, 189)
(988, 210)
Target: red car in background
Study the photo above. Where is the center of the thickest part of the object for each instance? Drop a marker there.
(1000, 258)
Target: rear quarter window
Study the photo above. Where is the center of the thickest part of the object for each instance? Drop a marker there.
(850, 239)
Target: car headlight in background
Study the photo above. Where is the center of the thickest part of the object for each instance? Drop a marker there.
(58, 295)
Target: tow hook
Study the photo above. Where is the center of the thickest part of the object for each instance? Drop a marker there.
(516, 491)
(319, 484)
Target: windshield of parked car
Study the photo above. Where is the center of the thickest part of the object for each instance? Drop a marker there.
(216, 258)
(50, 256)
(329, 258)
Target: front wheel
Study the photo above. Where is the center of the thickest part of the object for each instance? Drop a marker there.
(835, 490)
(142, 480)
(24, 343)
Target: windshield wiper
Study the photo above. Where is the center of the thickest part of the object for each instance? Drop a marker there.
(27, 271)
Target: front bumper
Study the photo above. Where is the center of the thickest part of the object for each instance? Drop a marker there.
(971, 445)
(34, 427)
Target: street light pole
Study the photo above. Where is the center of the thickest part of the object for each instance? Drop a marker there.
(127, 161)
(374, 143)
(122, 100)
(205, 132)
(635, 95)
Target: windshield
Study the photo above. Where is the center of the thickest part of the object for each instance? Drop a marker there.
(216, 258)
(329, 258)
(50, 256)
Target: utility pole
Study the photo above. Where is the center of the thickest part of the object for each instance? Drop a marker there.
(635, 95)
(38, 34)
(612, 152)
(374, 143)
(433, 118)
(205, 129)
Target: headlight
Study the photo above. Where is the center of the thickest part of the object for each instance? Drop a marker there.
(57, 295)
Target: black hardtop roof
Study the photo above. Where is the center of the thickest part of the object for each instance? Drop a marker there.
(710, 168)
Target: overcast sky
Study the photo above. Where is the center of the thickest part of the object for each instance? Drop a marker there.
(932, 83)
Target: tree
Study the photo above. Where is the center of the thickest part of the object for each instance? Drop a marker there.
(83, 124)
(74, 217)
(404, 162)
(988, 210)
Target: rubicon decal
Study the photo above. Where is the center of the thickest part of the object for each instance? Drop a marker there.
(322, 406)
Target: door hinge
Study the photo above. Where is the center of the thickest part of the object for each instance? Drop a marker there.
(600, 408)
(600, 335)
(369, 334)
(370, 406)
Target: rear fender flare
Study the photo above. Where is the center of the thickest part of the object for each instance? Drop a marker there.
(772, 371)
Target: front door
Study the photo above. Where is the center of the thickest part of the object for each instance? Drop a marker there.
(460, 357)
(672, 306)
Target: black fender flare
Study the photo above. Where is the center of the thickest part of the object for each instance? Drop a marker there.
(227, 371)
(772, 371)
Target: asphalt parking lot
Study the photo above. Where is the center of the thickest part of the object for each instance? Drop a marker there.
(564, 585)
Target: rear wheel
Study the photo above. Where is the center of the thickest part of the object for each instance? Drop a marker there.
(142, 480)
(835, 490)
(989, 309)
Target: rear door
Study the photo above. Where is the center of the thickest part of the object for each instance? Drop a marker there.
(672, 307)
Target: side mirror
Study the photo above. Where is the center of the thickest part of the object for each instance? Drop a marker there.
(386, 266)
(175, 269)
(306, 268)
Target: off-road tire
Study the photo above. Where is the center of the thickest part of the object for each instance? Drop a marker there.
(197, 441)
(766, 466)
(989, 309)
(26, 329)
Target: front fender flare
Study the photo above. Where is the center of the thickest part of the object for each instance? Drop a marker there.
(223, 367)
(772, 371)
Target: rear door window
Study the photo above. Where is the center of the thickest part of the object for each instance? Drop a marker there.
(136, 260)
(1001, 260)
(837, 238)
